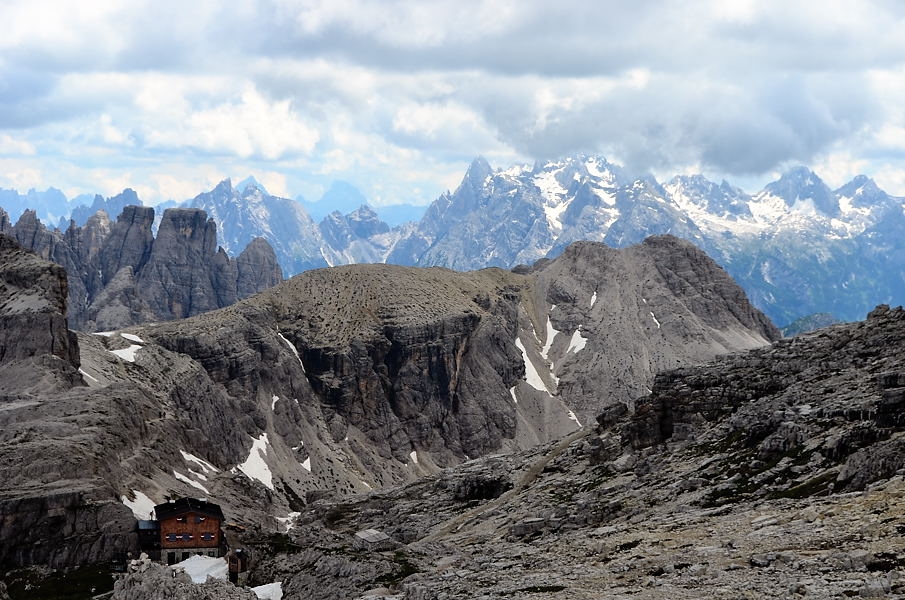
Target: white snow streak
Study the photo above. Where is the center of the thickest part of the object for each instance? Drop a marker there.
(414, 456)
(512, 393)
(141, 507)
(205, 466)
(254, 466)
(189, 481)
(593, 299)
(307, 464)
(82, 371)
(132, 338)
(655, 319)
(531, 374)
(551, 333)
(574, 418)
(294, 351)
(273, 403)
(127, 354)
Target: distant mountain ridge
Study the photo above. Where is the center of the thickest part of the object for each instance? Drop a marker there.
(797, 247)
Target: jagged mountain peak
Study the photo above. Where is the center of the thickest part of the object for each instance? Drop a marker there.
(800, 186)
(250, 182)
(224, 187)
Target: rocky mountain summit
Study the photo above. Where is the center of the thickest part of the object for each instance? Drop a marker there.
(121, 274)
(300, 243)
(776, 473)
(797, 247)
(343, 380)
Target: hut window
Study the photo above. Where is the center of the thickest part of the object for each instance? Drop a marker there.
(171, 537)
(199, 519)
(207, 537)
(180, 519)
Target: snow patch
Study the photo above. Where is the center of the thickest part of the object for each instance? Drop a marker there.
(127, 354)
(531, 374)
(655, 319)
(269, 591)
(512, 393)
(199, 568)
(574, 418)
(254, 466)
(577, 341)
(132, 338)
(307, 464)
(198, 475)
(82, 371)
(205, 466)
(414, 456)
(142, 507)
(273, 403)
(287, 520)
(593, 299)
(191, 482)
(294, 350)
(104, 333)
(551, 333)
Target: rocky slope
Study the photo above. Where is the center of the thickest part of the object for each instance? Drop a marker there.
(776, 473)
(346, 379)
(120, 274)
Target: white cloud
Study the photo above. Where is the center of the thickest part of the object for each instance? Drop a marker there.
(167, 97)
(10, 145)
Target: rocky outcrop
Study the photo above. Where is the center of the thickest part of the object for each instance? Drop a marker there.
(618, 317)
(33, 308)
(257, 269)
(155, 582)
(120, 275)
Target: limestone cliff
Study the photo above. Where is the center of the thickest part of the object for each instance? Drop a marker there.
(120, 275)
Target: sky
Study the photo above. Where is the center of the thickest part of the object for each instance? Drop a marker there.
(397, 96)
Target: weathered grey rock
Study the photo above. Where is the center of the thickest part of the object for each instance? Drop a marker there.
(257, 268)
(33, 307)
(119, 275)
(159, 583)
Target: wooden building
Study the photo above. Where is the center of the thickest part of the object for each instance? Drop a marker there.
(189, 526)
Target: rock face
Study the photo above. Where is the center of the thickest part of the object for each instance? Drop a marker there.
(120, 274)
(778, 470)
(33, 308)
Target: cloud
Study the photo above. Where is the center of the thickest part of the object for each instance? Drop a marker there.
(399, 96)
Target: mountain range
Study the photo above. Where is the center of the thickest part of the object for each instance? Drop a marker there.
(775, 468)
(796, 247)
